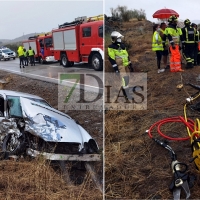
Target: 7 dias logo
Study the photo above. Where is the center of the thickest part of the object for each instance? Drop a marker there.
(125, 91)
(88, 91)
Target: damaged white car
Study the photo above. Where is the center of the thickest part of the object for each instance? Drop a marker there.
(28, 124)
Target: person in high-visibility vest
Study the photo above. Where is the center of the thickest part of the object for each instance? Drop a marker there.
(25, 57)
(157, 46)
(174, 35)
(193, 25)
(198, 54)
(21, 56)
(120, 61)
(31, 54)
(189, 43)
(165, 53)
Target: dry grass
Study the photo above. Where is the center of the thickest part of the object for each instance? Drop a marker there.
(135, 166)
(37, 180)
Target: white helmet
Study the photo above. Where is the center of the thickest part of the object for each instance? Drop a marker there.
(116, 34)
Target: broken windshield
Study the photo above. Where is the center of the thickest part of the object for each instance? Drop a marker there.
(14, 106)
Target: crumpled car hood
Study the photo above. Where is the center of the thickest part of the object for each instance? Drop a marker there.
(51, 124)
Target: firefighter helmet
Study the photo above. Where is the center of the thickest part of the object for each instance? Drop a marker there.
(173, 18)
(187, 22)
(194, 25)
(116, 35)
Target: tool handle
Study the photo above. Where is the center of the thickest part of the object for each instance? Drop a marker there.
(178, 167)
(197, 87)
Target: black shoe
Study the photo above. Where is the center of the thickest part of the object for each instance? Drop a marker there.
(23, 67)
(20, 66)
(189, 66)
(167, 67)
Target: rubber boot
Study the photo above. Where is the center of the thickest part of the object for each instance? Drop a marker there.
(189, 65)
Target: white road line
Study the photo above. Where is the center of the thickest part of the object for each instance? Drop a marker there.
(54, 66)
(49, 78)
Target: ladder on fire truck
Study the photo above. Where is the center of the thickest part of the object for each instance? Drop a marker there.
(81, 20)
(36, 36)
(95, 18)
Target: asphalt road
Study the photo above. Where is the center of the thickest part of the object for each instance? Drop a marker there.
(51, 72)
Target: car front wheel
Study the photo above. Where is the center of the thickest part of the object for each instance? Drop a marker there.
(13, 144)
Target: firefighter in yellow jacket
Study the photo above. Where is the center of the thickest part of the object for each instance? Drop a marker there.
(120, 61)
(31, 54)
(20, 52)
(174, 35)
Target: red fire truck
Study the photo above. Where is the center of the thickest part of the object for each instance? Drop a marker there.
(43, 47)
(79, 41)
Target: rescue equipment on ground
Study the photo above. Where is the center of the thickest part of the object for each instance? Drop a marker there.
(193, 130)
(182, 180)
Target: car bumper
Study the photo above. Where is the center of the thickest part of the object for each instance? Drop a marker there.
(6, 57)
(66, 157)
(50, 59)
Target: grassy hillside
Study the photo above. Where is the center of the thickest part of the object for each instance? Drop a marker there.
(137, 167)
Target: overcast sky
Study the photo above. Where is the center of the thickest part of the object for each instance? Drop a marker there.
(24, 17)
(185, 8)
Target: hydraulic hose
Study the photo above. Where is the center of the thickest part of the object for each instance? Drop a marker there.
(193, 127)
(193, 130)
(179, 119)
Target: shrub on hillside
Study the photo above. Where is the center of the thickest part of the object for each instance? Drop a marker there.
(123, 13)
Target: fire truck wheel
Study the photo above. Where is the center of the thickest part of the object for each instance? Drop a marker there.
(97, 62)
(71, 63)
(64, 60)
(41, 60)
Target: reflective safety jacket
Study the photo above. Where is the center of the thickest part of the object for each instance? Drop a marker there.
(30, 52)
(20, 51)
(174, 34)
(25, 53)
(189, 35)
(118, 50)
(164, 42)
(157, 42)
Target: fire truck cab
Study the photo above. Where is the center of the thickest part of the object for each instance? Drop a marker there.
(79, 41)
(43, 47)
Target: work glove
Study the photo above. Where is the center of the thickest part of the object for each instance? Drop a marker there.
(131, 67)
(116, 69)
